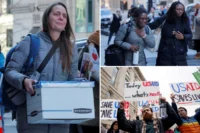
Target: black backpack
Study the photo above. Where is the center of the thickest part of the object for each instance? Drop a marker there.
(114, 54)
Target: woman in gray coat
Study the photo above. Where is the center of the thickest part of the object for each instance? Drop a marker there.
(62, 66)
(139, 37)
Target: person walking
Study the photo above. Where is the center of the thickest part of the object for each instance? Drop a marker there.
(175, 36)
(114, 27)
(138, 38)
(63, 65)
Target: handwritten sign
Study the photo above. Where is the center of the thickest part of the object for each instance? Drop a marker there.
(94, 58)
(109, 109)
(192, 20)
(186, 93)
(154, 104)
(141, 90)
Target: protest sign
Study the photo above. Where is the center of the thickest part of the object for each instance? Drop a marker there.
(192, 20)
(154, 104)
(109, 109)
(186, 93)
(141, 90)
(94, 58)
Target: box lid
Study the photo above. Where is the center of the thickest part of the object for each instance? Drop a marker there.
(79, 84)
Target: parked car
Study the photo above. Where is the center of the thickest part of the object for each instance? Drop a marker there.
(106, 17)
(81, 44)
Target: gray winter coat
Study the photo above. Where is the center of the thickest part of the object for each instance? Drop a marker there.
(52, 72)
(133, 38)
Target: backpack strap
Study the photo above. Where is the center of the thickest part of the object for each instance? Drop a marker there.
(34, 49)
(129, 25)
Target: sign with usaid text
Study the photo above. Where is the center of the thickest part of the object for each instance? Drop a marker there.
(154, 104)
(141, 90)
(109, 109)
(186, 93)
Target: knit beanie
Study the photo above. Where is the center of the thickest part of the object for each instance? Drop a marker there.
(94, 38)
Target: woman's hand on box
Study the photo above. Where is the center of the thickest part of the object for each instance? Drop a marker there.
(28, 84)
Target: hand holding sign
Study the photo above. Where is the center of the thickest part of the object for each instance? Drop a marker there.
(162, 99)
(122, 104)
(172, 96)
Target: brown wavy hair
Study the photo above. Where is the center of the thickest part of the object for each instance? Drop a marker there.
(66, 46)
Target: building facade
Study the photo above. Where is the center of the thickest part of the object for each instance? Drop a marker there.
(83, 14)
(112, 85)
(126, 4)
(6, 26)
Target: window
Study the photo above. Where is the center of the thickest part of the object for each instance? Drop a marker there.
(126, 80)
(9, 3)
(108, 94)
(9, 37)
(114, 75)
(1, 7)
(127, 73)
(84, 16)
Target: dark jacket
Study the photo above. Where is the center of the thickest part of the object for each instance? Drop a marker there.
(114, 27)
(136, 125)
(172, 52)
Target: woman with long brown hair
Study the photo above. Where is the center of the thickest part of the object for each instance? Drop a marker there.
(62, 66)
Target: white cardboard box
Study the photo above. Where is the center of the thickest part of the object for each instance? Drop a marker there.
(61, 102)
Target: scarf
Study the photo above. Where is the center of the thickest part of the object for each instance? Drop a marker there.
(155, 126)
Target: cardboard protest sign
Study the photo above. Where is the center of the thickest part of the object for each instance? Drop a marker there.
(197, 76)
(109, 109)
(94, 58)
(192, 20)
(154, 104)
(186, 93)
(141, 90)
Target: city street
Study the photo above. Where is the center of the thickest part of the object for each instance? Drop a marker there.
(151, 57)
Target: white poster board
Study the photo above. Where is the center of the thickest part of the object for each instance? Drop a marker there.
(154, 104)
(109, 107)
(186, 93)
(141, 90)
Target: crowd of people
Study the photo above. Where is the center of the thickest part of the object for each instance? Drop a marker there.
(148, 123)
(176, 34)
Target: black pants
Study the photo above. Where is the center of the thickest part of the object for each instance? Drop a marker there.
(197, 45)
(110, 36)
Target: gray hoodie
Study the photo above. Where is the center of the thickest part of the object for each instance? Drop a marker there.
(52, 72)
(133, 38)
